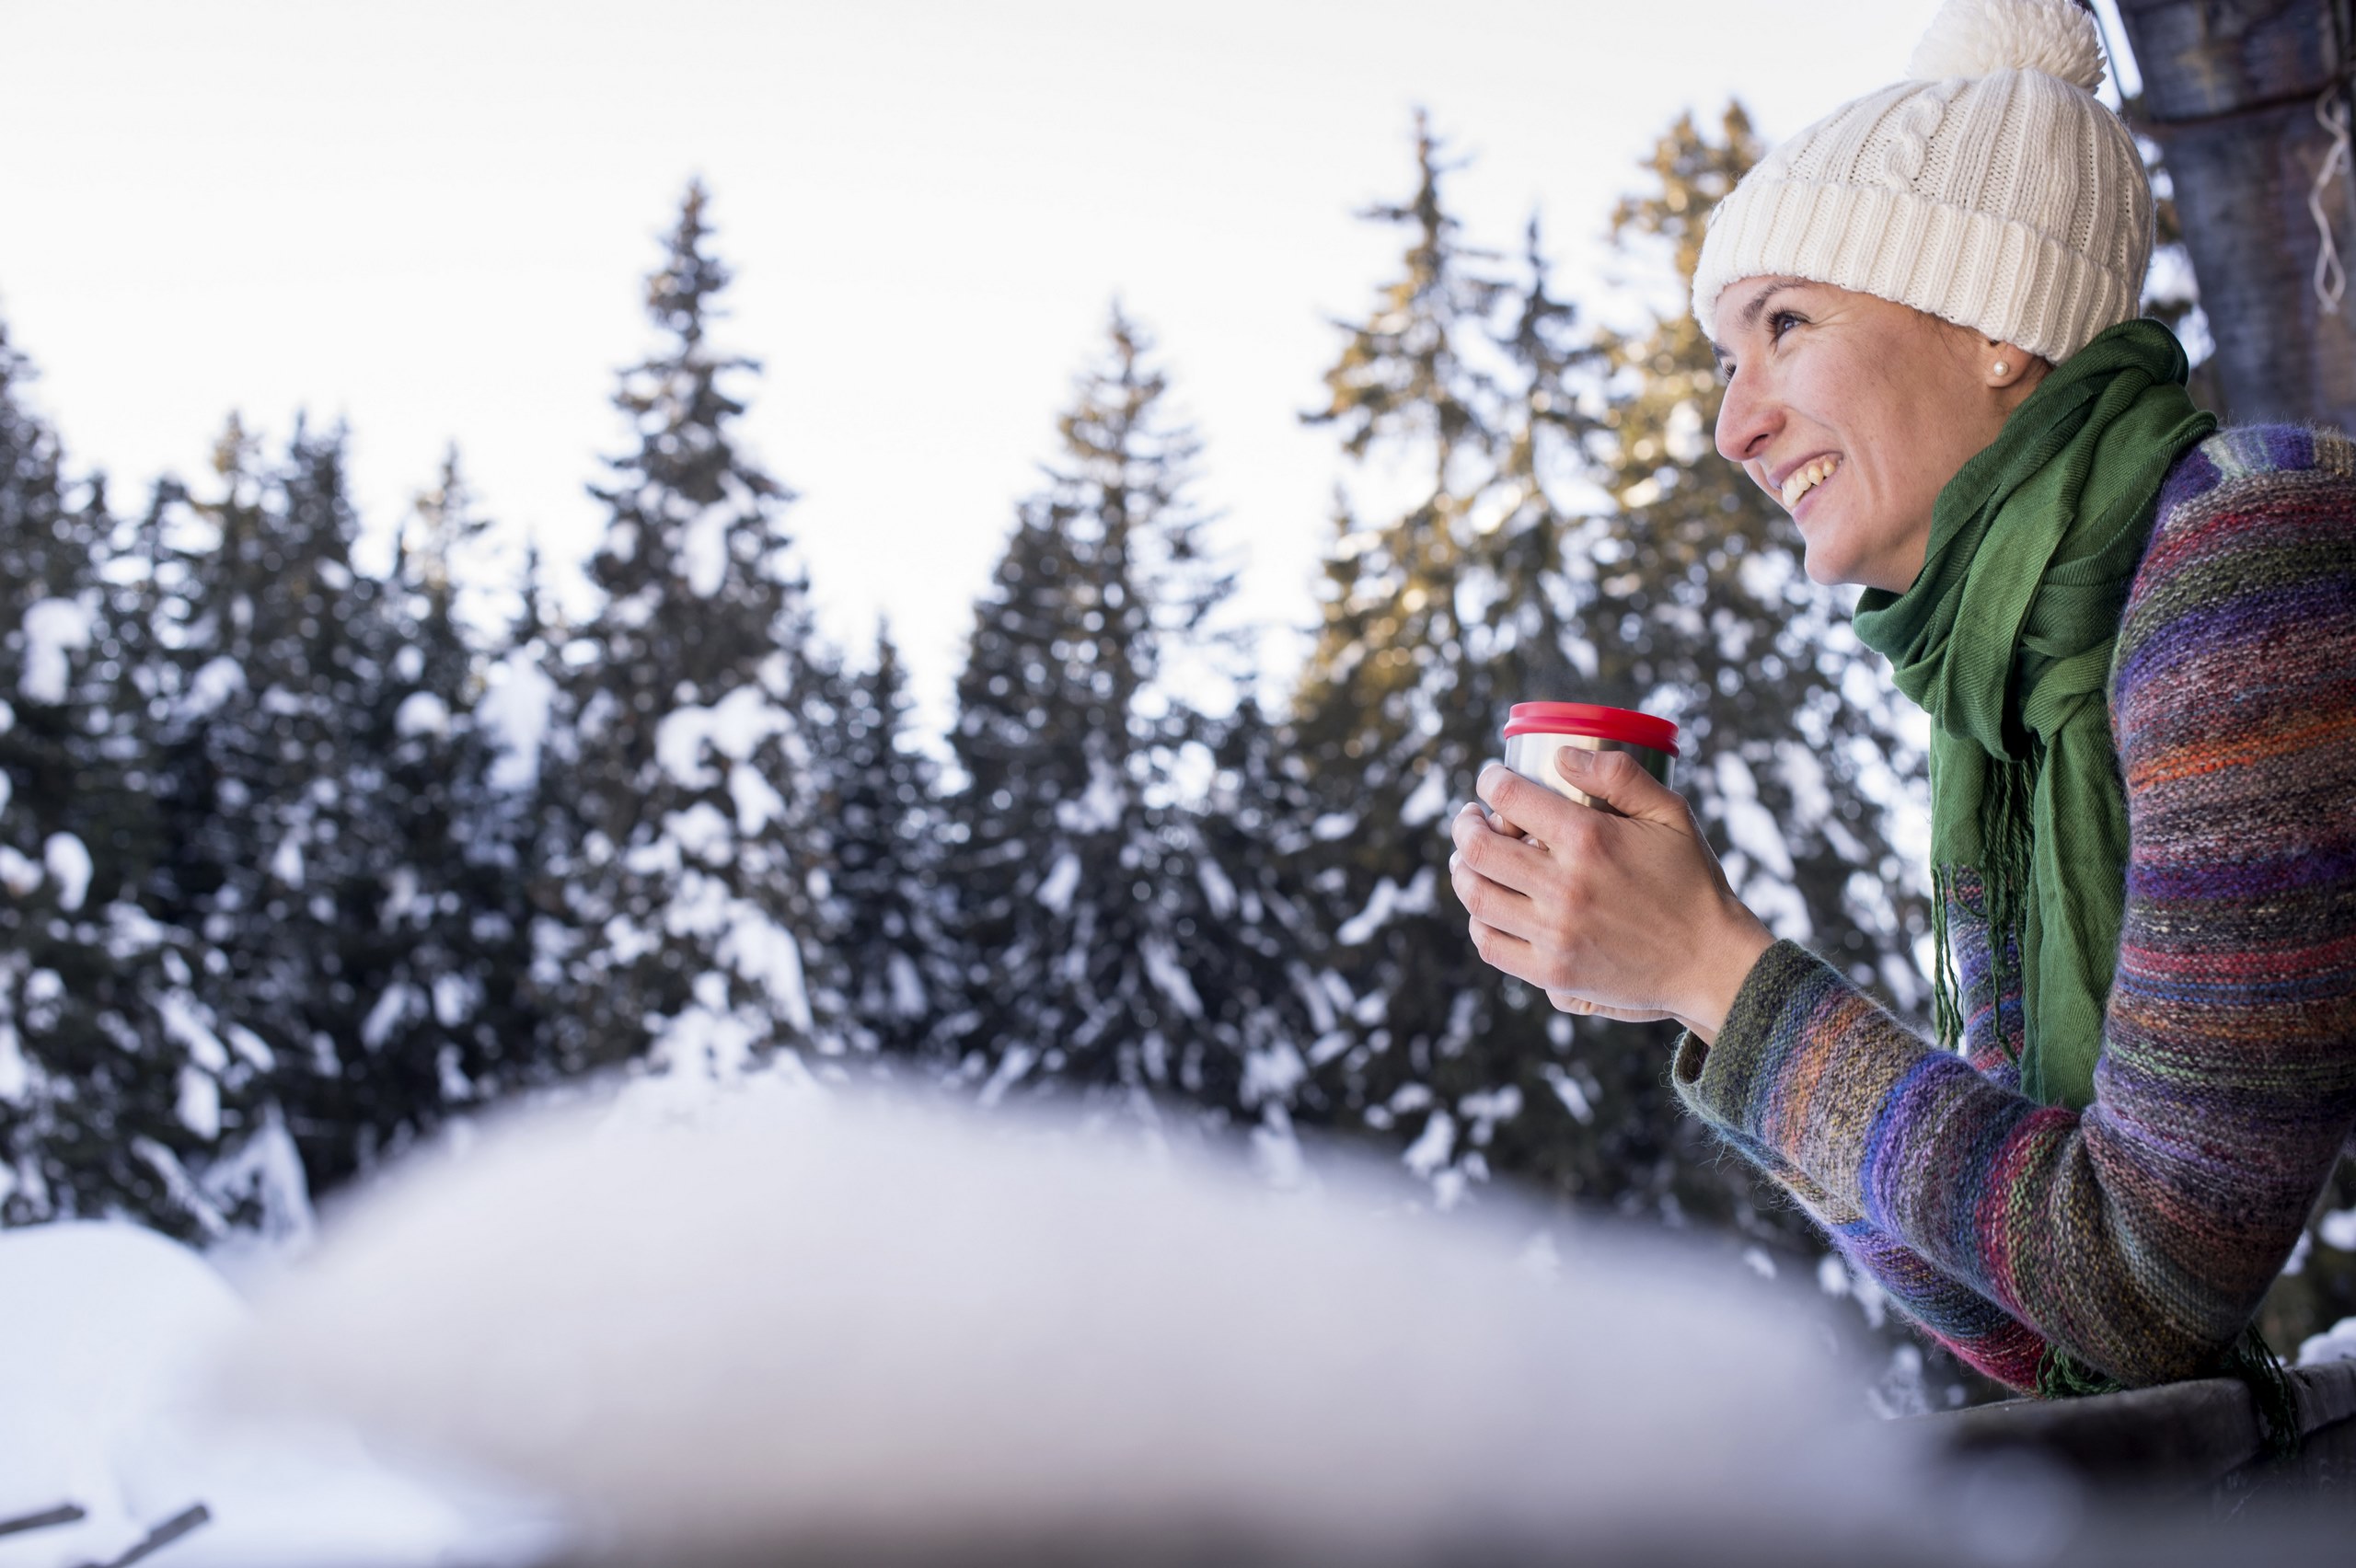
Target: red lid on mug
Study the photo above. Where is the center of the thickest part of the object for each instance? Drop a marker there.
(1623, 724)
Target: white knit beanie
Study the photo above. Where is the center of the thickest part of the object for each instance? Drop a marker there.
(1993, 188)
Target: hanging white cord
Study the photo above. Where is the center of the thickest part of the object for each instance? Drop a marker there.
(2331, 276)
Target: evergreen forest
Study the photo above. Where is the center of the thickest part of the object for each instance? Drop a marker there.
(304, 861)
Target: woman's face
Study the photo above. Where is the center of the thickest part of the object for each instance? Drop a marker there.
(1853, 412)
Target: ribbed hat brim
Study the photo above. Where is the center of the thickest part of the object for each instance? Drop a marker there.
(1996, 276)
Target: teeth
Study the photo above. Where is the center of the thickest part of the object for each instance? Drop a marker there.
(1808, 479)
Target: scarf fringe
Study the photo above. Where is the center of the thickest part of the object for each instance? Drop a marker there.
(2251, 1360)
(2007, 838)
(1946, 1006)
(2008, 833)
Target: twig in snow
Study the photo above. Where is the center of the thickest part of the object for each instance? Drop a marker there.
(162, 1536)
(64, 1514)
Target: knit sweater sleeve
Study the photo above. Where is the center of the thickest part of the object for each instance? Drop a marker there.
(2141, 1234)
(1968, 1323)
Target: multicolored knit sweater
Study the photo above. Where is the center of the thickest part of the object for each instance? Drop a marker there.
(2140, 1235)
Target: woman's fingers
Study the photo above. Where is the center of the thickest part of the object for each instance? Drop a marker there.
(1508, 882)
(1541, 813)
(1504, 951)
(1473, 817)
(1489, 902)
(1503, 857)
(1481, 816)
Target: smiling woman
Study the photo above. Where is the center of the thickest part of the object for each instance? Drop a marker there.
(2136, 636)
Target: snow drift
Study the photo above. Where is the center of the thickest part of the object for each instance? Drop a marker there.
(831, 1322)
(104, 1330)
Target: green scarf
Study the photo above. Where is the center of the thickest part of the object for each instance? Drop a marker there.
(2006, 639)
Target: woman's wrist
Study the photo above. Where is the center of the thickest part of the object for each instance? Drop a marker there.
(1729, 961)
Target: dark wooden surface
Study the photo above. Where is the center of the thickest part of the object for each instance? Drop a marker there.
(2144, 1539)
(2181, 1435)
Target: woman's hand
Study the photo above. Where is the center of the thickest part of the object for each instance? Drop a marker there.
(1626, 916)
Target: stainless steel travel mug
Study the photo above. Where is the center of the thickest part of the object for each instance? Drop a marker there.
(1536, 731)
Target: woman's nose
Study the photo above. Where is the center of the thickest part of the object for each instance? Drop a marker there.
(1746, 420)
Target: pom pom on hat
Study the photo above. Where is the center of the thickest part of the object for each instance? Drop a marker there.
(1975, 37)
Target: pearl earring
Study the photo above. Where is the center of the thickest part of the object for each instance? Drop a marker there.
(2001, 368)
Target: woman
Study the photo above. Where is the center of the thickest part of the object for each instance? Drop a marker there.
(2136, 638)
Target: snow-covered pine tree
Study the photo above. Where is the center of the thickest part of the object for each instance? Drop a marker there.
(1085, 906)
(440, 961)
(49, 603)
(1258, 963)
(1457, 398)
(229, 588)
(278, 691)
(521, 718)
(118, 1089)
(886, 914)
(689, 866)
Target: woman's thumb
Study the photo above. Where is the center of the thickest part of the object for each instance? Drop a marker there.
(1616, 779)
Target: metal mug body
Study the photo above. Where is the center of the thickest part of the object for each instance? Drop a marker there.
(1532, 756)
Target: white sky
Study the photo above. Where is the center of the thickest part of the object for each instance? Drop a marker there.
(431, 217)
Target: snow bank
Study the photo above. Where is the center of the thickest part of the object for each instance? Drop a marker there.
(108, 1331)
(826, 1319)
(101, 1323)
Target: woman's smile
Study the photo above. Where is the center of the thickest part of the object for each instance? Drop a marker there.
(1805, 479)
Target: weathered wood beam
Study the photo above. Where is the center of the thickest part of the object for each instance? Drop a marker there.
(2231, 90)
(2179, 1435)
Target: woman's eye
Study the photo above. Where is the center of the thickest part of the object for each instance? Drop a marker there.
(1779, 323)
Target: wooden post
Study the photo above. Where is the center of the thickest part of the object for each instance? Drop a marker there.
(2232, 91)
